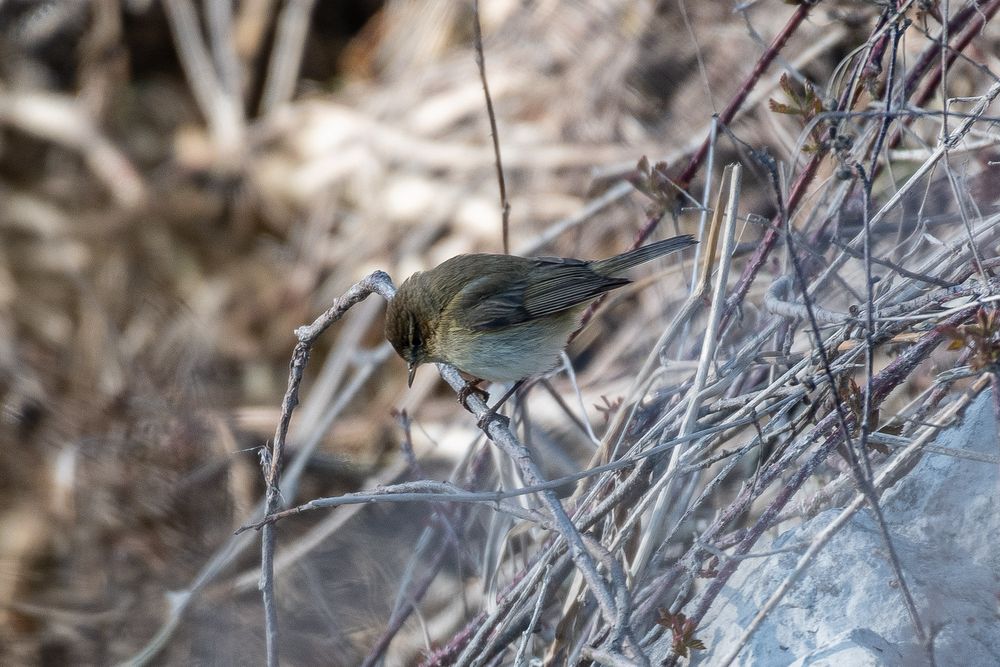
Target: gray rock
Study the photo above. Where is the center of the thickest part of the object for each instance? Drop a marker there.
(847, 609)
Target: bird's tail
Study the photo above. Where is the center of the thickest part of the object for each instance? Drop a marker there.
(614, 265)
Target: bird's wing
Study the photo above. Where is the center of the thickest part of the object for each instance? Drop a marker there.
(494, 302)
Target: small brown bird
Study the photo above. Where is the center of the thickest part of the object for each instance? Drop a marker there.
(501, 317)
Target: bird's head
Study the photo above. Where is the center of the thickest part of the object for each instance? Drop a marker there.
(407, 329)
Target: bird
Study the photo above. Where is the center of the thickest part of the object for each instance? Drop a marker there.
(503, 318)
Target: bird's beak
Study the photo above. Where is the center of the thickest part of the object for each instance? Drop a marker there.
(412, 369)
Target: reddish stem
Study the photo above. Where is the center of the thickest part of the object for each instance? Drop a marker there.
(729, 113)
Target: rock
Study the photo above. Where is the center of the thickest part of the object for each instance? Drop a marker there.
(847, 608)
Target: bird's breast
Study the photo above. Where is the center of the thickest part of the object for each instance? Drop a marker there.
(510, 353)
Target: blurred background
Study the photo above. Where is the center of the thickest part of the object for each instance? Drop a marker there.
(184, 183)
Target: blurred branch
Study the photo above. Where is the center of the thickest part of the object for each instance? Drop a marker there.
(214, 92)
(286, 55)
(219, 14)
(61, 120)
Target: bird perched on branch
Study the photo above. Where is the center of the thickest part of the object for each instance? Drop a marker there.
(503, 318)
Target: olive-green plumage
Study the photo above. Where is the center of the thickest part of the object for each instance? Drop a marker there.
(502, 317)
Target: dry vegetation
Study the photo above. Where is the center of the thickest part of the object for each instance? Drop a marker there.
(183, 184)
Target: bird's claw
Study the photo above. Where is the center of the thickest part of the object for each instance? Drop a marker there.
(468, 390)
(491, 414)
(471, 388)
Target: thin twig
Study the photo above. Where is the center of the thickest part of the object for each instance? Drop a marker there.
(652, 538)
(869, 330)
(376, 282)
(881, 261)
(776, 301)
(477, 38)
(883, 383)
(520, 659)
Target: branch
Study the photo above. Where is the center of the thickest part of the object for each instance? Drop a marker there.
(273, 458)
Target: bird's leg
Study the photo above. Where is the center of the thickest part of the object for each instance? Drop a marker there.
(472, 387)
(492, 412)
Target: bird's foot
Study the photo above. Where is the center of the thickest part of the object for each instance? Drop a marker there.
(471, 388)
(468, 390)
(491, 414)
